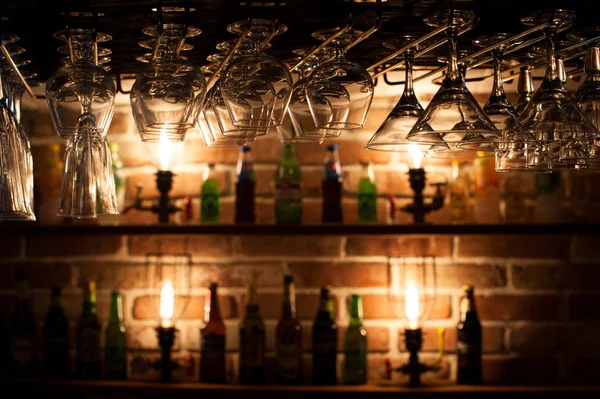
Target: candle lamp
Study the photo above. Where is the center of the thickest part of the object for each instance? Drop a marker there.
(416, 176)
(168, 279)
(411, 293)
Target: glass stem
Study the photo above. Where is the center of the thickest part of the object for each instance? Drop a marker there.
(551, 68)
(409, 60)
(498, 88)
(453, 71)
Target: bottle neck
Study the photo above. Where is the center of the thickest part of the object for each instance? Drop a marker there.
(289, 152)
(245, 168)
(89, 300)
(356, 313)
(333, 169)
(215, 313)
(116, 309)
(467, 308)
(326, 306)
(55, 301)
(552, 73)
(289, 301)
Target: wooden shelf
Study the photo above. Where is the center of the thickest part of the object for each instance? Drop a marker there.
(131, 389)
(329, 229)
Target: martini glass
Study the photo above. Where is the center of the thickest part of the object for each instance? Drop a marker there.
(391, 135)
(339, 92)
(453, 115)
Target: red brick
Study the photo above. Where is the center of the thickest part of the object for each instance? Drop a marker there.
(264, 211)
(518, 307)
(10, 247)
(388, 182)
(339, 274)
(306, 306)
(480, 276)
(216, 246)
(535, 340)
(113, 275)
(194, 151)
(538, 277)
(520, 370)
(493, 339)
(38, 123)
(399, 246)
(264, 179)
(39, 275)
(73, 245)
(351, 152)
(267, 149)
(583, 277)
(584, 307)
(585, 248)
(185, 184)
(520, 246)
(143, 307)
(121, 123)
(378, 307)
(312, 183)
(264, 274)
(312, 211)
(291, 246)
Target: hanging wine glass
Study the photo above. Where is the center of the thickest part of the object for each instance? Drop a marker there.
(391, 135)
(340, 92)
(453, 115)
(525, 87)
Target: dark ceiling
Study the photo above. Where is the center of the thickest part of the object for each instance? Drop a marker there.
(36, 20)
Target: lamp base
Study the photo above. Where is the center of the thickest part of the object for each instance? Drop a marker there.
(166, 339)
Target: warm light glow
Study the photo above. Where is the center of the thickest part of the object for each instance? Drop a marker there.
(416, 155)
(167, 299)
(411, 303)
(165, 151)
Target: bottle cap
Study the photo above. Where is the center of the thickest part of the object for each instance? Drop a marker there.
(288, 278)
(213, 286)
(245, 148)
(332, 147)
(56, 290)
(468, 289)
(325, 291)
(211, 165)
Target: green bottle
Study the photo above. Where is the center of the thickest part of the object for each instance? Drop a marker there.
(115, 355)
(324, 342)
(210, 206)
(288, 188)
(252, 343)
(88, 337)
(117, 165)
(355, 346)
(367, 195)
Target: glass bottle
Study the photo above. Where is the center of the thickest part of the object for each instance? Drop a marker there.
(117, 165)
(486, 190)
(458, 201)
(56, 338)
(468, 341)
(289, 338)
(210, 201)
(324, 342)
(288, 188)
(23, 333)
(367, 195)
(88, 337)
(244, 187)
(212, 348)
(332, 186)
(115, 356)
(355, 345)
(252, 343)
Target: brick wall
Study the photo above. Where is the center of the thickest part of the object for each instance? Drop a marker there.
(537, 297)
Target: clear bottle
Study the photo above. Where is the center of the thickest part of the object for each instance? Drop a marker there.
(88, 337)
(468, 343)
(56, 339)
(367, 195)
(324, 342)
(355, 345)
(289, 338)
(210, 197)
(212, 347)
(288, 188)
(332, 183)
(244, 187)
(458, 194)
(115, 355)
(252, 343)
(23, 343)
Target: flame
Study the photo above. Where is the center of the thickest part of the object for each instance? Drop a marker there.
(167, 302)
(165, 151)
(411, 303)
(416, 156)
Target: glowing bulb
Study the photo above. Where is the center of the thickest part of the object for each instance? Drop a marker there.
(411, 303)
(416, 156)
(167, 303)
(165, 151)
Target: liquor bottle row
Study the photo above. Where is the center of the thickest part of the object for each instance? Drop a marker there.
(288, 190)
(19, 336)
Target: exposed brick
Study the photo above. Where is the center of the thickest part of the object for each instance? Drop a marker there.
(121, 123)
(263, 274)
(492, 336)
(584, 307)
(39, 275)
(113, 275)
(388, 182)
(264, 179)
(535, 340)
(538, 277)
(518, 307)
(145, 338)
(194, 151)
(351, 152)
(267, 150)
(585, 248)
(306, 306)
(145, 306)
(135, 153)
(582, 339)
(73, 245)
(402, 246)
(291, 246)
(264, 211)
(196, 245)
(312, 183)
(378, 307)
(339, 274)
(520, 370)
(185, 184)
(520, 246)
(583, 277)
(480, 276)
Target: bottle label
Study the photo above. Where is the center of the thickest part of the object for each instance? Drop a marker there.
(367, 207)
(90, 345)
(23, 350)
(289, 361)
(210, 205)
(287, 191)
(331, 168)
(252, 349)
(245, 171)
(463, 347)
